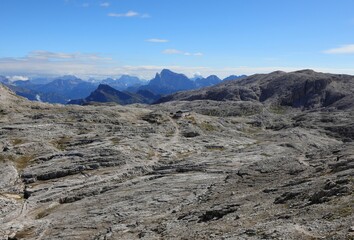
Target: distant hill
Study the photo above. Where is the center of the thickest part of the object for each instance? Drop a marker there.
(234, 77)
(206, 82)
(60, 90)
(41, 80)
(105, 93)
(124, 82)
(37, 96)
(26, 84)
(301, 89)
(70, 87)
(4, 80)
(27, 90)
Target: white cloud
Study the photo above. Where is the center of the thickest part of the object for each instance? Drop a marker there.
(175, 51)
(156, 40)
(38, 98)
(145, 15)
(172, 51)
(127, 14)
(344, 49)
(105, 4)
(47, 55)
(84, 65)
(52, 63)
(17, 78)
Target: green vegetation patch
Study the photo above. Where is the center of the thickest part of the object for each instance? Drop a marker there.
(42, 213)
(62, 142)
(207, 127)
(215, 148)
(276, 109)
(17, 141)
(25, 233)
(23, 161)
(20, 162)
(115, 140)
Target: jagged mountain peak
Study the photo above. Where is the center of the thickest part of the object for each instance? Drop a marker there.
(167, 71)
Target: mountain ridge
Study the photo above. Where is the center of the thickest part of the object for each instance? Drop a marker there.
(105, 94)
(299, 89)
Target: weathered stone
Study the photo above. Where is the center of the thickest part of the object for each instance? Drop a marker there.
(108, 172)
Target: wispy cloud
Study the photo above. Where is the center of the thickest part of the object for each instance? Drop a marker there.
(172, 51)
(145, 15)
(344, 49)
(156, 40)
(55, 63)
(179, 52)
(55, 56)
(127, 14)
(105, 4)
(17, 78)
(86, 65)
(193, 54)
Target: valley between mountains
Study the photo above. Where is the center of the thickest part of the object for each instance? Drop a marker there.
(270, 156)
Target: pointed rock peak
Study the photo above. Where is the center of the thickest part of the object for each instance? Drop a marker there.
(166, 74)
(157, 75)
(166, 71)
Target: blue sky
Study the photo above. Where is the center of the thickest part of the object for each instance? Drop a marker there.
(92, 38)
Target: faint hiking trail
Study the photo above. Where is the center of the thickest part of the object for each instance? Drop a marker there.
(174, 139)
(166, 146)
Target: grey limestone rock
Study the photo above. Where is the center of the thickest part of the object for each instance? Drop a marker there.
(234, 169)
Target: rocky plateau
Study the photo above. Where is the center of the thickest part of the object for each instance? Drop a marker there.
(266, 157)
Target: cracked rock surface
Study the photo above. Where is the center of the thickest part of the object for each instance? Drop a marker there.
(222, 170)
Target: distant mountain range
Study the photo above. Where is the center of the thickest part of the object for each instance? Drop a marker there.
(59, 90)
(168, 82)
(301, 89)
(67, 88)
(304, 89)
